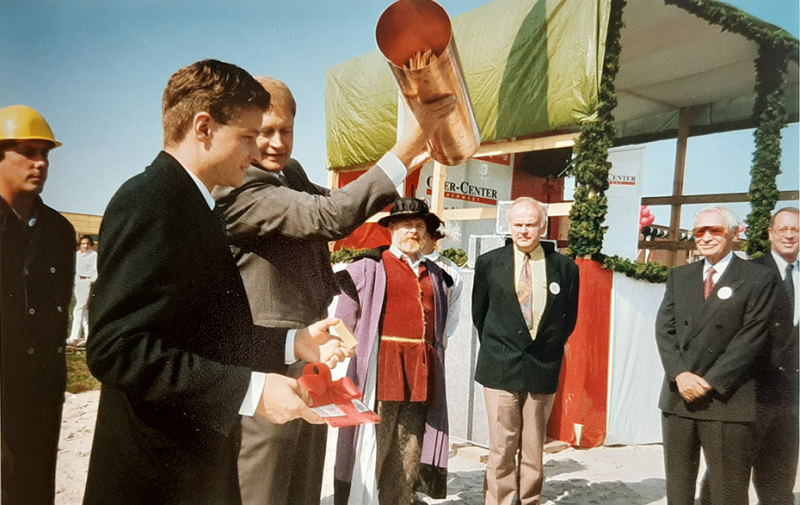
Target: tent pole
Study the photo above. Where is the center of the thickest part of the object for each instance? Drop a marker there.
(677, 186)
(437, 191)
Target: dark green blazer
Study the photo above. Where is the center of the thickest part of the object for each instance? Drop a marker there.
(508, 358)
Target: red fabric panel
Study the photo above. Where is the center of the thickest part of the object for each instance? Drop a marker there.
(582, 396)
(368, 235)
(524, 183)
(346, 178)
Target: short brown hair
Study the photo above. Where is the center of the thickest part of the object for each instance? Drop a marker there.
(221, 89)
(83, 237)
(280, 92)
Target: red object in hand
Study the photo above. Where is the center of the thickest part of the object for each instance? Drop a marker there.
(339, 402)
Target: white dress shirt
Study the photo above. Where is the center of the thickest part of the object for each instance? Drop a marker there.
(781, 263)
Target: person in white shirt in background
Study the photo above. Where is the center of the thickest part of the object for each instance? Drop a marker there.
(428, 249)
(85, 275)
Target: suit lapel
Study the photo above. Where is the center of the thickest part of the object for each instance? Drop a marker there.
(730, 281)
(505, 270)
(553, 277)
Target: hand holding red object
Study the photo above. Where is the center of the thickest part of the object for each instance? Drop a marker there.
(339, 402)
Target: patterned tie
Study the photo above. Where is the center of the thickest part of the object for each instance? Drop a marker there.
(709, 286)
(525, 291)
(789, 283)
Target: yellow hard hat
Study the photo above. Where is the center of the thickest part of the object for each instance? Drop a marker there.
(20, 122)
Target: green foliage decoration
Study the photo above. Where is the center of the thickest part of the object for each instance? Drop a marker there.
(654, 271)
(769, 112)
(457, 256)
(591, 165)
(346, 255)
(776, 48)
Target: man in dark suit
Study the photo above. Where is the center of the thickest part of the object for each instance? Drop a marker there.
(37, 264)
(279, 225)
(775, 465)
(170, 330)
(525, 306)
(710, 329)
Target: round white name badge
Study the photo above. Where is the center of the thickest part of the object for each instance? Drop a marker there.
(555, 288)
(724, 293)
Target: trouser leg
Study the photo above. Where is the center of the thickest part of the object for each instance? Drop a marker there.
(728, 450)
(504, 411)
(535, 413)
(681, 458)
(399, 451)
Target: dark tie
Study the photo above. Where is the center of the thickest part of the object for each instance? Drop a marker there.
(283, 179)
(525, 292)
(789, 283)
(220, 219)
(709, 285)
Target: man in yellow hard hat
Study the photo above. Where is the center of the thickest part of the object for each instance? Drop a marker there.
(37, 253)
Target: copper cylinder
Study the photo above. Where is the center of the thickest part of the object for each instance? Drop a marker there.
(408, 27)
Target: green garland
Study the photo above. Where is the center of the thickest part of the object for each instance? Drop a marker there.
(651, 272)
(346, 255)
(776, 48)
(769, 112)
(591, 166)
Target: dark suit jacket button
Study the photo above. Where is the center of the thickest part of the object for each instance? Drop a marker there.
(719, 326)
(711, 351)
(519, 332)
(686, 323)
(777, 325)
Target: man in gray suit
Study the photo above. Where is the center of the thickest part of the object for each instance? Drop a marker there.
(279, 225)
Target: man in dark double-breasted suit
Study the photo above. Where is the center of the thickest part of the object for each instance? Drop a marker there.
(775, 464)
(170, 329)
(710, 329)
(524, 306)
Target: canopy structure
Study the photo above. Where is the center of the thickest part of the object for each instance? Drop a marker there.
(533, 67)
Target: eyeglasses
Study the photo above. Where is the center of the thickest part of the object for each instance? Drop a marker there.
(716, 231)
(783, 230)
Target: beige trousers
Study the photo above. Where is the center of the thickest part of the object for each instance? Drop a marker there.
(517, 430)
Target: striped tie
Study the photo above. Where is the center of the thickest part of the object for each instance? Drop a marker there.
(525, 291)
(709, 286)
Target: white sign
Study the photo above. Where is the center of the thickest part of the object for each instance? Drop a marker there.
(624, 201)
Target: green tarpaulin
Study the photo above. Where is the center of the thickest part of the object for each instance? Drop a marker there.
(529, 65)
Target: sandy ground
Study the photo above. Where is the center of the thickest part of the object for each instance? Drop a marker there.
(631, 475)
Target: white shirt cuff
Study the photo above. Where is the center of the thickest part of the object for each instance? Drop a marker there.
(254, 391)
(394, 169)
(289, 356)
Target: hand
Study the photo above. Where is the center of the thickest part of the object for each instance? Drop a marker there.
(284, 400)
(315, 344)
(692, 386)
(419, 127)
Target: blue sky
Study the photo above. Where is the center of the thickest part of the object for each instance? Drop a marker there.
(97, 68)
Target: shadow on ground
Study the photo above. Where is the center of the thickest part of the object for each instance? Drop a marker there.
(583, 492)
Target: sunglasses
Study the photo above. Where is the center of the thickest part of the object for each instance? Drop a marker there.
(716, 231)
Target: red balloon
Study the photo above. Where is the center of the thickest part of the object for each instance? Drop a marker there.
(645, 211)
(650, 219)
(643, 222)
